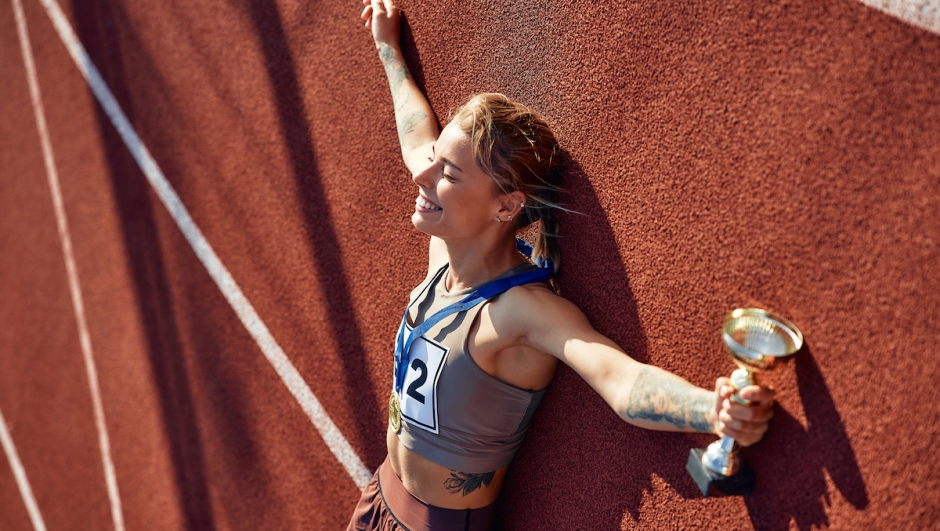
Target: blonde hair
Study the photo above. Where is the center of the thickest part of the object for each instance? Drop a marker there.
(515, 147)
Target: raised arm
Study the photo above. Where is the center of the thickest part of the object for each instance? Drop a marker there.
(642, 395)
(417, 128)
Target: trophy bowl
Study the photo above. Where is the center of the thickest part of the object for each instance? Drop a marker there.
(757, 339)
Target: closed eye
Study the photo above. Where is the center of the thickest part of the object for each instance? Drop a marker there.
(446, 162)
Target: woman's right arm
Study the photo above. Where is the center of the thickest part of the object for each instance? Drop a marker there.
(417, 128)
(643, 395)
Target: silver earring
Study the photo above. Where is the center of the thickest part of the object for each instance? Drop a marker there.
(510, 218)
(499, 220)
(521, 205)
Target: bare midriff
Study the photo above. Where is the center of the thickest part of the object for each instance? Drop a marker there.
(427, 480)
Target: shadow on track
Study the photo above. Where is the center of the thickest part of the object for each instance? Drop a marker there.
(324, 242)
(575, 439)
(803, 457)
(165, 350)
(591, 263)
(589, 480)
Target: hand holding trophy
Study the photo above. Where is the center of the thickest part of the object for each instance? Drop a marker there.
(756, 340)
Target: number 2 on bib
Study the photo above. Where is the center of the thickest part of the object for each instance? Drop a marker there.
(418, 365)
(419, 401)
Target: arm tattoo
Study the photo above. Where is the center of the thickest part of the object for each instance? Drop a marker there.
(462, 482)
(397, 73)
(399, 105)
(699, 407)
(395, 69)
(408, 123)
(658, 399)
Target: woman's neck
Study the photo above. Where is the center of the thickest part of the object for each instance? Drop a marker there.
(474, 262)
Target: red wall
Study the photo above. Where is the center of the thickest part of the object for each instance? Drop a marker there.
(776, 154)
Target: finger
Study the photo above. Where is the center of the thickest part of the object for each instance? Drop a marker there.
(758, 395)
(389, 6)
(744, 437)
(760, 423)
(747, 413)
(739, 429)
(722, 382)
(366, 13)
(378, 7)
(730, 422)
(724, 388)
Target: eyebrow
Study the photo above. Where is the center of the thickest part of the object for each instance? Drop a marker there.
(446, 161)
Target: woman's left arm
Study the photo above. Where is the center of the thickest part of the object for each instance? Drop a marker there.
(417, 128)
(641, 394)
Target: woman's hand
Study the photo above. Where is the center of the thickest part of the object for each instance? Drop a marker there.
(385, 21)
(745, 424)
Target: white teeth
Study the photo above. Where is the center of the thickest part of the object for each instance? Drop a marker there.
(420, 201)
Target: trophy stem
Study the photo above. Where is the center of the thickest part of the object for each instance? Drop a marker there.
(721, 458)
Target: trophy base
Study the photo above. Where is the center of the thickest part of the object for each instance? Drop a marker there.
(712, 483)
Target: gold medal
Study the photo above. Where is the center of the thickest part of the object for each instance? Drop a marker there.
(394, 412)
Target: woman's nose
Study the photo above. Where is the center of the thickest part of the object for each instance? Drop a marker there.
(424, 177)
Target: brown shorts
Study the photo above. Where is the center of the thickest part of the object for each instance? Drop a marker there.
(385, 505)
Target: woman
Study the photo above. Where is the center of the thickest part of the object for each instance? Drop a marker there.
(484, 332)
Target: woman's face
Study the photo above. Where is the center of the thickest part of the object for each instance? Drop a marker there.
(456, 199)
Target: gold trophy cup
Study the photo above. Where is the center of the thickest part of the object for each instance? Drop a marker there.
(756, 340)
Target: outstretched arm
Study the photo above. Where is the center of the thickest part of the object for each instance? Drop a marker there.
(417, 128)
(642, 395)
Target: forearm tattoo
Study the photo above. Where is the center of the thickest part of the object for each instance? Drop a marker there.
(395, 69)
(400, 102)
(408, 123)
(464, 483)
(657, 399)
(397, 73)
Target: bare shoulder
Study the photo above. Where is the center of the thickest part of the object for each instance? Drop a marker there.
(534, 310)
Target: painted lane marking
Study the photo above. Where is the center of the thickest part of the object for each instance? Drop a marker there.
(223, 279)
(924, 14)
(20, 474)
(74, 286)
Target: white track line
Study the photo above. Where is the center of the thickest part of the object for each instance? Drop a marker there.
(74, 287)
(245, 311)
(921, 13)
(20, 474)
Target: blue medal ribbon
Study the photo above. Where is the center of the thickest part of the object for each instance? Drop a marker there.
(484, 292)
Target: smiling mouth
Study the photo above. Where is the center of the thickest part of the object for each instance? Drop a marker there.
(425, 204)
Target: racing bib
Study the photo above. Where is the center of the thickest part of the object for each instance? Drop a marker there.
(419, 392)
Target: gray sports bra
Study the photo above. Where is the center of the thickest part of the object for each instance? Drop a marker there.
(453, 412)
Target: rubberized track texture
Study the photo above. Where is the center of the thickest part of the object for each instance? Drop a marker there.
(776, 154)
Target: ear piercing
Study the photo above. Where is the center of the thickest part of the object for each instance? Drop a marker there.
(521, 205)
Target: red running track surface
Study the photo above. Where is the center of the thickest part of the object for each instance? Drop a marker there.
(775, 154)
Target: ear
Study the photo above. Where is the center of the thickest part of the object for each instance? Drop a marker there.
(511, 205)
